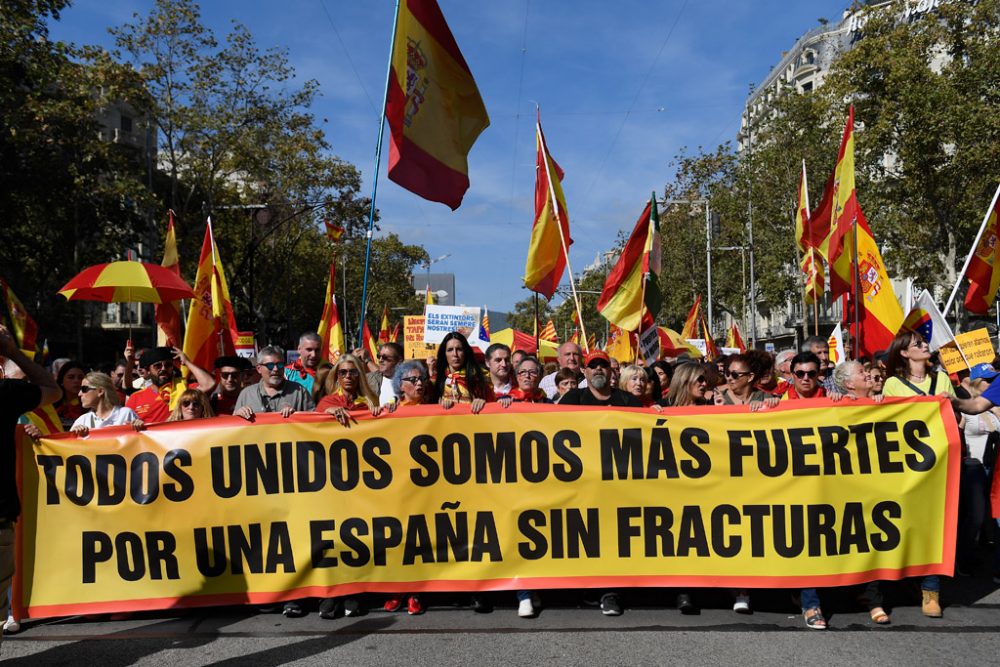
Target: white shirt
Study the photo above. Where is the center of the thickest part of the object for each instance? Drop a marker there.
(502, 389)
(119, 416)
(386, 394)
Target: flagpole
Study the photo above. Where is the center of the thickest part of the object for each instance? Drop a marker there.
(538, 345)
(215, 276)
(562, 237)
(378, 161)
(856, 275)
(642, 307)
(805, 281)
(968, 259)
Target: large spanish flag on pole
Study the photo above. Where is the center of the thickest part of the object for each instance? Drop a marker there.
(632, 288)
(984, 269)
(433, 106)
(809, 236)
(838, 245)
(881, 316)
(550, 239)
(330, 331)
(168, 315)
(211, 325)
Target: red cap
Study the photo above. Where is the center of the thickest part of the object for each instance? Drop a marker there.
(596, 354)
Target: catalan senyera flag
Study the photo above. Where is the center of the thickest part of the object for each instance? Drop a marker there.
(844, 211)
(546, 262)
(690, 329)
(984, 269)
(433, 106)
(168, 315)
(22, 326)
(211, 326)
(880, 316)
(330, 331)
(484, 326)
(368, 341)
(383, 330)
(631, 295)
(734, 339)
(836, 345)
(549, 333)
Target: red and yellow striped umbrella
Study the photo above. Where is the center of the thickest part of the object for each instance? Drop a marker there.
(124, 282)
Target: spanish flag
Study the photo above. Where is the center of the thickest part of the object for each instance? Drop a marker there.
(368, 342)
(548, 246)
(844, 212)
(809, 236)
(631, 295)
(168, 315)
(734, 339)
(672, 344)
(812, 269)
(433, 106)
(383, 331)
(330, 331)
(881, 315)
(211, 325)
(690, 329)
(22, 326)
(711, 350)
(984, 269)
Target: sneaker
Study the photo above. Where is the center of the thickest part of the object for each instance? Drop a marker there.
(610, 606)
(352, 607)
(330, 608)
(11, 626)
(742, 604)
(413, 606)
(394, 603)
(525, 609)
(293, 609)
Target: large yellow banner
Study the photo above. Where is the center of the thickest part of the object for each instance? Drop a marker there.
(221, 511)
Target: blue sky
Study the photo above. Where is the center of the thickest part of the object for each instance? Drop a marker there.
(623, 87)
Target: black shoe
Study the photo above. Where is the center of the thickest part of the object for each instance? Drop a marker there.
(352, 607)
(481, 604)
(330, 608)
(610, 606)
(685, 605)
(293, 609)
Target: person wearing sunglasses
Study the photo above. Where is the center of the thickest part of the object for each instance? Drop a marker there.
(380, 381)
(806, 381)
(193, 404)
(345, 391)
(154, 403)
(741, 381)
(598, 390)
(103, 405)
(231, 370)
(687, 386)
(273, 393)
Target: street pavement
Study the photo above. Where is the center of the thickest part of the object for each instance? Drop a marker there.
(566, 632)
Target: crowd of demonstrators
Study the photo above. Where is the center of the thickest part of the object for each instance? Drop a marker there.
(153, 388)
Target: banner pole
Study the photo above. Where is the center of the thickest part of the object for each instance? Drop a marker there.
(378, 161)
(968, 259)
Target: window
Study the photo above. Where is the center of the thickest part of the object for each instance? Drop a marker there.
(126, 125)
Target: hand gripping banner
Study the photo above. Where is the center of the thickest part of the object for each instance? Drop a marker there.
(221, 511)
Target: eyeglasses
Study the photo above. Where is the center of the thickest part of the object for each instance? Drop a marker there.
(229, 376)
(806, 374)
(529, 372)
(919, 343)
(700, 380)
(270, 365)
(736, 375)
(387, 357)
(598, 363)
(346, 372)
(190, 403)
(160, 365)
(413, 379)
(84, 389)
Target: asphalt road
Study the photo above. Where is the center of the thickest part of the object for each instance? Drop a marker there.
(566, 632)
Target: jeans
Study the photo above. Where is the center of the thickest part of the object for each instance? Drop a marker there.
(523, 595)
(931, 582)
(809, 598)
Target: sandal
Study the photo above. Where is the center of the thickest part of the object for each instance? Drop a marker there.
(814, 619)
(879, 617)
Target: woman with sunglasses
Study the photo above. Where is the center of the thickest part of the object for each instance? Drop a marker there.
(908, 373)
(688, 386)
(192, 404)
(346, 391)
(741, 381)
(98, 396)
(460, 378)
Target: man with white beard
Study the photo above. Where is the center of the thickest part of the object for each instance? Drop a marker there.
(597, 369)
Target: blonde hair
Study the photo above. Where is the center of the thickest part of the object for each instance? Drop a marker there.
(110, 398)
(628, 373)
(680, 385)
(191, 394)
(331, 382)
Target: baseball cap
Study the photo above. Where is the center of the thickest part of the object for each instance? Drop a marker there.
(983, 372)
(596, 354)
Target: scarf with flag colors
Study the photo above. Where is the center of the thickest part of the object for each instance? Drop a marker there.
(550, 239)
(631, 296)
(330, 331)
(168, 315)
(433, 106)
(984, 270)
(211, 326)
